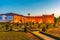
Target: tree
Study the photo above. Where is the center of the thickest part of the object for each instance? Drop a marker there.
(55, 19)
(28, 14)
(7, 27)
(58, 19)
(11, 27)
(29, 23)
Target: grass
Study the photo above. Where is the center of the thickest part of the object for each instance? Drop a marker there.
(54, 31)
(13, 36)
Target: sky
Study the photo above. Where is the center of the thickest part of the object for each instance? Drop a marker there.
(34, 7)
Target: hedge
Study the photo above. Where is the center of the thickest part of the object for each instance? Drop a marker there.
(57, 38)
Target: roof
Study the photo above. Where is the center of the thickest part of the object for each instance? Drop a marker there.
(33, 16)
(11, 14)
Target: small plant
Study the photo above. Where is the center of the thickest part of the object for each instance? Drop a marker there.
(44, 29)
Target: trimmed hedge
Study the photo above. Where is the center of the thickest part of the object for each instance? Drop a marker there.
(57, 38)
(37, 36)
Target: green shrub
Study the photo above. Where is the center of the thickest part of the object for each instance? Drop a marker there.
(44, 29)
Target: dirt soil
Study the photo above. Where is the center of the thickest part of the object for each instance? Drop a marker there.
(54, 31)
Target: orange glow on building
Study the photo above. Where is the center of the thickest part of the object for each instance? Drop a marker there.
(36, 19)
(48, 18)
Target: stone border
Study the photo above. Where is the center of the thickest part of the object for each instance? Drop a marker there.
(57, 38)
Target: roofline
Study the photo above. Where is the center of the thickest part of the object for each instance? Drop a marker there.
(23, 15)
(11, 14)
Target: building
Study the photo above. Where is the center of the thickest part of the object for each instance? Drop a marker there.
(48, 18)
(16, 18)
(6, 17)
(35, 19)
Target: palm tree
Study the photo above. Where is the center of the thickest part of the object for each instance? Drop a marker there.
(28, 19)
(28, 14)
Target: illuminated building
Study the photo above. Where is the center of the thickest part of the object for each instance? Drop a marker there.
(16, 18)
(48, 18)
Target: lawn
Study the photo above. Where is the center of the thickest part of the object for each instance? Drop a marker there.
(13, 36)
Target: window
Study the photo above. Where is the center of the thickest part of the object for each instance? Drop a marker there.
(5, 17)
(0, 18)
(9, 17)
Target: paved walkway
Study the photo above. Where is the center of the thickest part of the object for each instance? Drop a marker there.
(43, 36)
(32, 37)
